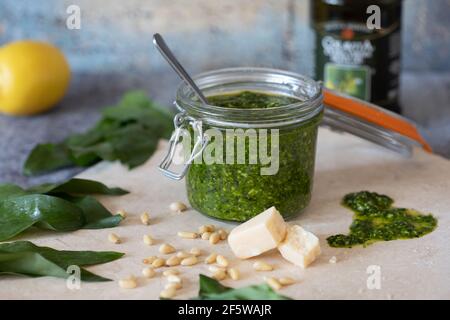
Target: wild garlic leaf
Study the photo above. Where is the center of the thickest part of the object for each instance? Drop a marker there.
(128, 132)
(92, 146)
(45, 157)
(77, 186)
(60, 207)
(95, 214)
(211, 289)
(210, 286)
(46, 212)
(133, 144)
(26, 258)
(8, 190)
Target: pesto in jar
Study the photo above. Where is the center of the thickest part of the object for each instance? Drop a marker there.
(376, 219)
(238, 192)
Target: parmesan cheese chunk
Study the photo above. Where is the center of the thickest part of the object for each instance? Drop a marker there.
(300, 246)
(258, 235)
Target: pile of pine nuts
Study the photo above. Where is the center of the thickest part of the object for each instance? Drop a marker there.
(170, 257)
(205, 232)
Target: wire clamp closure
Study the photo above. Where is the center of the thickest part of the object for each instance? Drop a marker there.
(181, 122)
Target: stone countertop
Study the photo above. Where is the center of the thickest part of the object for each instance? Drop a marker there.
(425, 99)
(403, 269)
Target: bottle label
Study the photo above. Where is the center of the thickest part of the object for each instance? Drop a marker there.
(357, 61)
(352, 80)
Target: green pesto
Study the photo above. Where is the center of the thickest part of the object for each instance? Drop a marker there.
(238, 192)
(251, 100)
(376, 219)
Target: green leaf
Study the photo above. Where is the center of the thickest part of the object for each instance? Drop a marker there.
(133, 144)
(47, 157)
(94, 135)
(25, 258)
(128, 132)
(20, 213)
(256, 292)
(58, 207)
(211, 289)
(210, 286)
(96, 216)
(135, 106)
(92, 146)
(86, 156)
(77, 186)
(11, 190)
(29, 264)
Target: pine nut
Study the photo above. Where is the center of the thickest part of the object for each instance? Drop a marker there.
(223, 234)
(168, 293)
(211, 258)
(114, 238)
(159, 262)
(190, 261)
(219, 275)
(169, 272)
(222, 261)
(187, 235)
(214, 238)
(177, 206)
(173, 261)
(234, 273)
(148, 272)
(174, 285)
(206, 235)
(128, 283)
(145, 218)
(122, 213)
(183, 254)
(214, 268)
(173, 278)
(148, 240)
(286, 281)
(206, 228)
(202, 229)
(149, 260)
(262, 266)
(273, 283)
(166, 248)
(196, 252)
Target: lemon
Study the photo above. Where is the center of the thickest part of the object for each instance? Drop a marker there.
(34, 76)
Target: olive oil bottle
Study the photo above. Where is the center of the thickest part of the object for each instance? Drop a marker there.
(358, 46)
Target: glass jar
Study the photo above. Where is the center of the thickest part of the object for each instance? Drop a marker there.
(238, 191)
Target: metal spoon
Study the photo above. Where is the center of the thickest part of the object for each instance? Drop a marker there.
(162, 47)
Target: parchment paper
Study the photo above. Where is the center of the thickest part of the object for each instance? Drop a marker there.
(417, 269)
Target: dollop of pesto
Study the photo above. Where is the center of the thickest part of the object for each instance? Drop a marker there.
(238, 192)
(375, 219)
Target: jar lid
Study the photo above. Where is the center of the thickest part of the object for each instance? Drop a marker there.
(342, 112)
(308, 94)
(372, 123)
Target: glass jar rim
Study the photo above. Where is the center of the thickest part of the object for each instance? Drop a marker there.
(275, 81)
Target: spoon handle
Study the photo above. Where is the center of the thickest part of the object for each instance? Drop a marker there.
(161, 45)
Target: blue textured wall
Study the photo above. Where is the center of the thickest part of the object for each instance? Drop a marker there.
(116, 35)
(113, 53)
